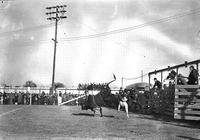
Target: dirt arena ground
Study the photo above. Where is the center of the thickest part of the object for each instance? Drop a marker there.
(70, 122)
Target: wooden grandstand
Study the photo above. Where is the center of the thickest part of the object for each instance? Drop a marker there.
(179, 101)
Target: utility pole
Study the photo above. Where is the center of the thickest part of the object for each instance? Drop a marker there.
(122, 80)
(142, 76)
(55, 13)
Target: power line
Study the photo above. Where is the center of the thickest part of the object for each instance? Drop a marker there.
(120, 44)
(135, 78)
(176, 16)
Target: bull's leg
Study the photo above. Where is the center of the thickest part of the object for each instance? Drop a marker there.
(94, 111)
(101, 112)
(119, 106)
(126, 109)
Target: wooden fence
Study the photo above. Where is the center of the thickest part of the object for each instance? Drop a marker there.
(187, 102)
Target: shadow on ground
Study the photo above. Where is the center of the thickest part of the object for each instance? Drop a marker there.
(171, 121)
(91, 115)
(187, 138)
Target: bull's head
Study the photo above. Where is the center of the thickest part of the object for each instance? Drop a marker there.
(106, 89)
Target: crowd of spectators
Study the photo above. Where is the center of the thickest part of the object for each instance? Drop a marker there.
(43, 98)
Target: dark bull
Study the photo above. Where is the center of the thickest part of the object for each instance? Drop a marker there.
(95, 102)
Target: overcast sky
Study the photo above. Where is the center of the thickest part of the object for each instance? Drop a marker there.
(27, 49)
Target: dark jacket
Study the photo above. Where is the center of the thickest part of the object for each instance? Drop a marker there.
(193, 77)
(158, 85)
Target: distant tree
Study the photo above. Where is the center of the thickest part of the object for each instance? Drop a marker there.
(59, 85)
(5, 85)
(30, 84)
(79, 86)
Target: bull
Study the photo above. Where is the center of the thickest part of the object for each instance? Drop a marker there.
(96, 102)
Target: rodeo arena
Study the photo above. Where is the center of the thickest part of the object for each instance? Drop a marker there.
(163, 106)
(163, 110)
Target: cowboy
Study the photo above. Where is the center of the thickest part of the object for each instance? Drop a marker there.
(122, 101)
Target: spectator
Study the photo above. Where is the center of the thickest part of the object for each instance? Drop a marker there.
(19, 99)
(16, 98)
(193, 76)
(24, 99)
(42, 98)
(157, 84)
(59, 98)
(1, 98)
(4, 98)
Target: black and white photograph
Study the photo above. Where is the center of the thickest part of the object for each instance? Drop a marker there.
(99, 69)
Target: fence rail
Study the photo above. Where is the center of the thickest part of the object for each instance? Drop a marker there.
(46, 90)
(187, 102)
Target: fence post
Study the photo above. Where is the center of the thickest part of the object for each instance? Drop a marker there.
(29, 91)
(198, 72)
